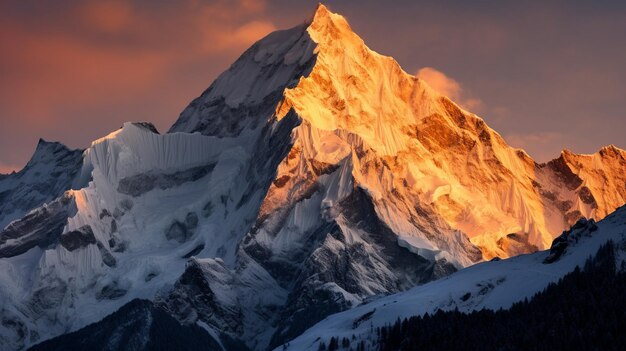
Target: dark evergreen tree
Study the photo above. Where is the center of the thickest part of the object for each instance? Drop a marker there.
(585, 310)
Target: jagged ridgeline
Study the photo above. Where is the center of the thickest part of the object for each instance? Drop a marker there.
(312, 175)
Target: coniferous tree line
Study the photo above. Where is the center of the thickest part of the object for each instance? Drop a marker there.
(585, 310)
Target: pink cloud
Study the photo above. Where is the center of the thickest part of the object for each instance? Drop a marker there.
(449, 87)
(74, 78)
(108, 17)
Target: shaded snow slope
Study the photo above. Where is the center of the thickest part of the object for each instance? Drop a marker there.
(51, 170)
(490, 285)
(153, 201)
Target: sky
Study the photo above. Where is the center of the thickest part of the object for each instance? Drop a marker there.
(547, 75)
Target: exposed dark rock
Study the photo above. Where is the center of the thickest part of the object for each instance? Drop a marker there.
(140, 184)
(118, 213)
(564, 205)
(111, 292)
(107, 258)
(485, 288)
(15, 328)
(454, 112)
(116, 244)
(193, 297)
(485, 137)
(365, 317)
(516, 244)
(76, 239)
(105, 213)
(280, 182)
(41, 227)
(549, 195)
(147, 126)
(563, 241)
(48, 297)
(564, 173)
(150, 276)
(177, 231)
(320, 168)
(196, 250)
(136, 326)
(573, 216)
(586, 196)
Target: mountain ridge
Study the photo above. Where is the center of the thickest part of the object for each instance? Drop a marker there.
(310, 176)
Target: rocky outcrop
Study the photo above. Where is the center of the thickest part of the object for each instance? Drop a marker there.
(583, 227)
(41, 227)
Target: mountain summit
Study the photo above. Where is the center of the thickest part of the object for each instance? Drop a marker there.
(436, 155)
(312, 175)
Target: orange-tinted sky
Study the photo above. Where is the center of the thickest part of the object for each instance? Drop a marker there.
(546, 77)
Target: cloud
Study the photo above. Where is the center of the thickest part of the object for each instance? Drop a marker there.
(77, 70)
(234, 38)
(449, 87)
(108, 17)
(249, 32)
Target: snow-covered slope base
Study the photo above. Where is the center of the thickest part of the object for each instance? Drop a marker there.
(491, 285)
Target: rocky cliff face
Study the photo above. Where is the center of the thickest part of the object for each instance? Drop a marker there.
(309, 177)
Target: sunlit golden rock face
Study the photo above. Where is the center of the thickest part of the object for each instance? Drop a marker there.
(428, 164)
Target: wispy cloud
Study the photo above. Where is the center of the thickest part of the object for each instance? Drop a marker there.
(76, 70)
(450, 88)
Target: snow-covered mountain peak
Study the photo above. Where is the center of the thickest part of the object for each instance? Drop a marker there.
(311, 175)
(330, 24)
(46, 151)
(50, 171)
(405, 139)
